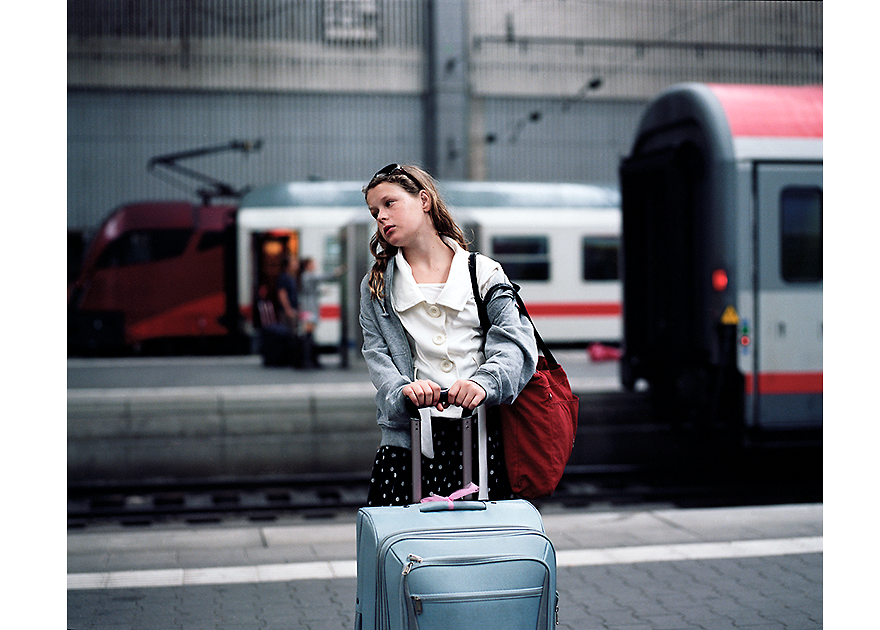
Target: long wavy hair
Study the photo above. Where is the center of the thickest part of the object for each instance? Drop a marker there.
(413, 180)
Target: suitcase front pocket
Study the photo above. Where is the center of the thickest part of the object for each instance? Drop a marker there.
(504, 593)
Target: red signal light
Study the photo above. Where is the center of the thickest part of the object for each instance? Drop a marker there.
(719, 280)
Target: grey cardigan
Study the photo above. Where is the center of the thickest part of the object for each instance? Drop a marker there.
(511, 355)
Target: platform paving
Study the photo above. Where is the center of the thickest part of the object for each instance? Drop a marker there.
(647, 568)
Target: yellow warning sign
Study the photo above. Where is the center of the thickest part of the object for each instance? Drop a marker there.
(730, 317)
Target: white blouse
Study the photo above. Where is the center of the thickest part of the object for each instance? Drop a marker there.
(441, 320)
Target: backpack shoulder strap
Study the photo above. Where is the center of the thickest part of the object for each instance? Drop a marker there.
(484, 314)
(481, 305)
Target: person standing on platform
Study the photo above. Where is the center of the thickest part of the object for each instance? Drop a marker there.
(288, 302)
(288, 294)
(309, 286)
(422, 334)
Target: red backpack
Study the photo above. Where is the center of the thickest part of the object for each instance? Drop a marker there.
(539, 428)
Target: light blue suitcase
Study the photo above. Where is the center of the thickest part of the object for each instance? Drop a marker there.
(483, 564)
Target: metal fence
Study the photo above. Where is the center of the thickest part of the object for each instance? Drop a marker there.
(552, 89)
(271, 45)
(561, 48)
(632, 48)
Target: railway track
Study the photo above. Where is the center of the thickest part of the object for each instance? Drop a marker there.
(767, 477)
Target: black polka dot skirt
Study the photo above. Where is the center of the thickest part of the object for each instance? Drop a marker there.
(391, 481)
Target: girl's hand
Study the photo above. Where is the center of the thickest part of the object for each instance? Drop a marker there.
(467, 394)
(424, 393)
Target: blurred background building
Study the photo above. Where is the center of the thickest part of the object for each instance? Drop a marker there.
(499, 90)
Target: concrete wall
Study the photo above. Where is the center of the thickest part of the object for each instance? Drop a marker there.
(260, 432)
(194, 433)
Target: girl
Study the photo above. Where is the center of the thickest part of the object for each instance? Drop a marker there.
(422, 333)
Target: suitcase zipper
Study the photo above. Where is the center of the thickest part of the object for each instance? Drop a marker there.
(503, 530)
(419, 600)
(386, 545)
(413, 559)
(388, 542)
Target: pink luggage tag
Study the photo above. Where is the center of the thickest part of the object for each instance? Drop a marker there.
(468, 489)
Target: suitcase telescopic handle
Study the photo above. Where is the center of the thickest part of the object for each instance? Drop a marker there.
(467, 423)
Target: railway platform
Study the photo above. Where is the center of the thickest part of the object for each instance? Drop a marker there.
(142, 420)
(651, 567)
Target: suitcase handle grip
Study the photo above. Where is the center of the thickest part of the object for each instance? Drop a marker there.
(444, 399)
(457, 506)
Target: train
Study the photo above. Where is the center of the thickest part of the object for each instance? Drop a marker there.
(722, 205)
(156, 275)
(154, 279)
(704, 263)
(559, 242)
(205, 285)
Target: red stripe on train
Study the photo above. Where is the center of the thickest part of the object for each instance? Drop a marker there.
(330, 311)
(785, 383)
(539, 309)
(574, 309)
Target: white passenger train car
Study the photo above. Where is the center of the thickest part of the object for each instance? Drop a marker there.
(559, 242)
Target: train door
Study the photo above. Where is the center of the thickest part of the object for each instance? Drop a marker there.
(355, 257)
(270, 251)
(786, 389)
(662, 231)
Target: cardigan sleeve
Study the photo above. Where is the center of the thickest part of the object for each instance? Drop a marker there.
(387, 365)
(511, 350)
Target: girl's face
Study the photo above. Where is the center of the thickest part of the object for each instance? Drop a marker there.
(400, 217)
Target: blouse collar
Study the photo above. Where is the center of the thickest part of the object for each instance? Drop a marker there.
(456, 290)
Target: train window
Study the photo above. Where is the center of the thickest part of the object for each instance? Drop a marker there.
(801, 234)
(332, 254)
(600, 258)
(143, 246)
(210, 240)
(523, 257)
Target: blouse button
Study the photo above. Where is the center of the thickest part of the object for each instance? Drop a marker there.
(439, 338)
(434, 310)
(446, 365)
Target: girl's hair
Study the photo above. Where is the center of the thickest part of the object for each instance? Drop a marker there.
(413, 180)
